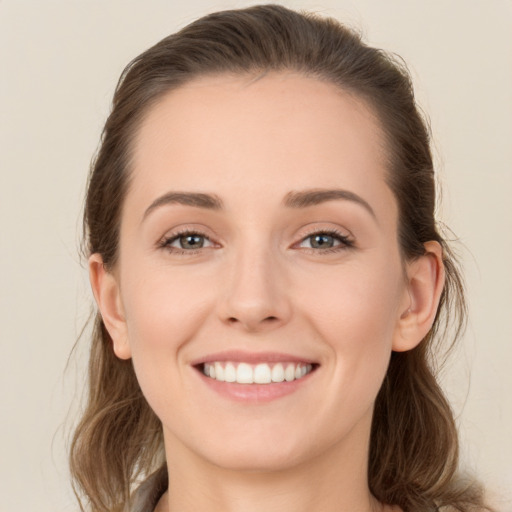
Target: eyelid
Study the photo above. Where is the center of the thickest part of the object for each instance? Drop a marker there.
(346, 239)
(174, 234)
(343, 236)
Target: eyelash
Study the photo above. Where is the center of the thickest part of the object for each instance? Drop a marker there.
(166, 242)
(345, 242)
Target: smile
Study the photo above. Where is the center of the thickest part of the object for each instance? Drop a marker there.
(261, 373)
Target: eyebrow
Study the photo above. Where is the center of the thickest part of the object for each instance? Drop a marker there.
(306, 198)
(197, 199)
(299, 199)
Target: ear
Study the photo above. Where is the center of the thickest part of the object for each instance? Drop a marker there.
(106, 291)
(425, 282)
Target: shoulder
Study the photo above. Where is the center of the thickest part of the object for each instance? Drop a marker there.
(147, 495)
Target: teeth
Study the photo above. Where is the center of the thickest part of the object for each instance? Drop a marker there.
(229, 372)
(289, 373)
(278, 373)
(244, 374)
(219, 372)
(262, 373)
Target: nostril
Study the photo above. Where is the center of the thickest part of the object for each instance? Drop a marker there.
(232, 320)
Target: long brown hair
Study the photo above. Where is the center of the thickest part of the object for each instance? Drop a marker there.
(414, 448)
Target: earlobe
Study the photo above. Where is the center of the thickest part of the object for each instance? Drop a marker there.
(106, 292)
(425, 282)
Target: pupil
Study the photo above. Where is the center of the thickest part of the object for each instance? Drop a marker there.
(191, 242)
(322, 241)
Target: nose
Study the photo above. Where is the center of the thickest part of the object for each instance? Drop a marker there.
(255, 297)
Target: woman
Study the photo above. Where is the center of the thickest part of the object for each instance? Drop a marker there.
(270, 280)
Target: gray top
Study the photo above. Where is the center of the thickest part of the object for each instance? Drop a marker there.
(150, 491)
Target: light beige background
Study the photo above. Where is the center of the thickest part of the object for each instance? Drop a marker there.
(59, 63)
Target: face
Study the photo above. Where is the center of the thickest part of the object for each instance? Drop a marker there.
(258, 245)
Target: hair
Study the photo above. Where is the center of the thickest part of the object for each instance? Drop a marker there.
(413, 456)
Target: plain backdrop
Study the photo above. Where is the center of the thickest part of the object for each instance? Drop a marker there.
(59, 63)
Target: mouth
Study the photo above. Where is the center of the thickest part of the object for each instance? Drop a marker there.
(261, 373)
(254, 377)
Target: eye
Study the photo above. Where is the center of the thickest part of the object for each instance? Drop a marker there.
(188, 241)
(326, 240)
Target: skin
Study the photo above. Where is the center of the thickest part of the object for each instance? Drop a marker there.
(259, 285)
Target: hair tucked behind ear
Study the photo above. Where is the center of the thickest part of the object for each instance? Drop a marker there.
(413, 449)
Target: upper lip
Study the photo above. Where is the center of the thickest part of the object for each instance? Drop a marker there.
(240, 356)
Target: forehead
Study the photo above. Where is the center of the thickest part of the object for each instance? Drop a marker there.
(265, 134)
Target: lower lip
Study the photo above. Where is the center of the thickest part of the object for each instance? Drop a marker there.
(254, 393)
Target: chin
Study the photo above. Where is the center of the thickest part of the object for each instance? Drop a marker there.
(256, 461)
(251, 451)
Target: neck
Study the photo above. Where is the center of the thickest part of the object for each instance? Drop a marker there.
(329, 482)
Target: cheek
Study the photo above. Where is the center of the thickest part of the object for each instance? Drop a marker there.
(164, 311)
(354, 315)
(163, 307)
(355, 312)
(356, 299)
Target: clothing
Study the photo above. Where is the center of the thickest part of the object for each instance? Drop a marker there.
(150, 491)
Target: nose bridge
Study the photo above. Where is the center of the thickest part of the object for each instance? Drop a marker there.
(255, 295)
